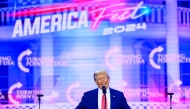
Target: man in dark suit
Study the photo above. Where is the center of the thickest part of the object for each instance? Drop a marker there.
(95, 99)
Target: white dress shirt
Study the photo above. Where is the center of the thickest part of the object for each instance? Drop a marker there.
(100, 97)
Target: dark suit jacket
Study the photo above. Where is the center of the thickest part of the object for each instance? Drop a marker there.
(90, 100)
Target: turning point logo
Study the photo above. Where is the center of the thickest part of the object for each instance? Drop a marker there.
(153, 52)
(113, 58)
(36, 61)
(166, 58)
(25, 53)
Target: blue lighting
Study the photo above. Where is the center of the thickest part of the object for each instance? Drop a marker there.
(147, 10)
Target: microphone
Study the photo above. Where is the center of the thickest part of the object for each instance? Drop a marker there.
(103, 89)
(170, 93)
(40, 95)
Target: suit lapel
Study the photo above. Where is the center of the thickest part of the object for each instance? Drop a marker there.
(95, 99)
(112, 99)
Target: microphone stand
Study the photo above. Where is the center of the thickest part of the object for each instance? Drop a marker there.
(39, 98)
(170, 94)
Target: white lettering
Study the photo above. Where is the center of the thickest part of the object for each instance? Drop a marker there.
(107, 31)
(83, 20)
(44, 24)
(64, 21)
(6, 60)
(30, 29)
(17, 29)
(27, 94)
(56, 21)
(69, 25)
(44, 61)
(172, 58)
(131, 27)
(121, 28)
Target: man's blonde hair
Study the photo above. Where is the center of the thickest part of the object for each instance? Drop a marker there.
(100, 72)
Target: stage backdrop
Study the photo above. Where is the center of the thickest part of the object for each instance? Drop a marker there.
(53, 47)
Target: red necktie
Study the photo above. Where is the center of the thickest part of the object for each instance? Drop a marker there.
(103, 102)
